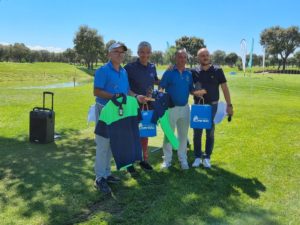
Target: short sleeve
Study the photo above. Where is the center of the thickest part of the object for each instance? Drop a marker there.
(164, 80)
(221, 76)
(100, 79)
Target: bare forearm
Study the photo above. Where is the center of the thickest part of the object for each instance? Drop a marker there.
(226, 93)
(102, 94)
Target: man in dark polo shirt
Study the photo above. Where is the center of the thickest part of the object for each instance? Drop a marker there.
(142, 76)
(208, 77)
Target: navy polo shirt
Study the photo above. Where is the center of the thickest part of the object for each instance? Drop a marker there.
(209, 80)
(141, 78)
(112, 81)
(177, 85)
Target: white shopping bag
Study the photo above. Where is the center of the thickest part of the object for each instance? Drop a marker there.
(91, 114)
(221, 112)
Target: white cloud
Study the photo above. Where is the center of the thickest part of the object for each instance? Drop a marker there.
(39, 47)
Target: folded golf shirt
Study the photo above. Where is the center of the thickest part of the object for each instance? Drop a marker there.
(161, 114)
(118, 121)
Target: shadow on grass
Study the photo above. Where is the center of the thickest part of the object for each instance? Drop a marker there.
(55, 182)
(49, 181)
(173, 196)
(90, 72)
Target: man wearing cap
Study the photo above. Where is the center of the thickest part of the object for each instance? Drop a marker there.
(142, 76)
(110, 79)
(178, 83)
(208, 77)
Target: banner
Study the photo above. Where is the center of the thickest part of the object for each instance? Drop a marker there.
(251, 53)
(244, 54)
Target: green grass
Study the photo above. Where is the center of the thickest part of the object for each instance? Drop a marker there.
(255, 177)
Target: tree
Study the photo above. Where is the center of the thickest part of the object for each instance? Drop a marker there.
(128, 56)
(297, 58)
(89, 45)
(231, 59)
(19, 52)
(192, 45)
(157, 57)
(107, 45)
(218, 57)
(169, 56)
(70, 54)
(280, 41)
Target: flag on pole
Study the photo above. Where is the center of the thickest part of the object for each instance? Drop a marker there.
(243, 54)
(251, 53)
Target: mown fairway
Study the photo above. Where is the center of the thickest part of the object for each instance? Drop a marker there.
(255, 177)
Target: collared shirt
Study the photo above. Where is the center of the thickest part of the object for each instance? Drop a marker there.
(141, 78)
(112, 81)
(177, 85)
(209, 80)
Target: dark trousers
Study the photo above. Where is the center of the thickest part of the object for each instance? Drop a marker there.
(210, 138)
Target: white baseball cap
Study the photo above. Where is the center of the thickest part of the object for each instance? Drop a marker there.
(117, 45)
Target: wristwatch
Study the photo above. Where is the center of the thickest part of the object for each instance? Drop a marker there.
(230, 105)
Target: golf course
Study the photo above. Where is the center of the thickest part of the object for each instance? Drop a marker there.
(254, 179)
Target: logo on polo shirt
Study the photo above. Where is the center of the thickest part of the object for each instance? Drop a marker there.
(151, 74)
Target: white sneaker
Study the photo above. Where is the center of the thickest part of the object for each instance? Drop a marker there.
(165, 165)
(185, 166)
(206, 163)
(197, 162)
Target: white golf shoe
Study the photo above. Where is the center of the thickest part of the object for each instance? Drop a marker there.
(206, 163)
(197, 162)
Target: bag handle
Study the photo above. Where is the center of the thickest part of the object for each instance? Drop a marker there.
(44, 95)
(200, 100)
(143, 107)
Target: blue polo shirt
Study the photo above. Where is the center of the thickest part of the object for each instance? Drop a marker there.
(112, 81)
(141, 78)
(177, 85)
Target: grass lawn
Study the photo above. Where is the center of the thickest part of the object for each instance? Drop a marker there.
(255, 178)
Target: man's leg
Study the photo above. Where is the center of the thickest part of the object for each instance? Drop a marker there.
(103, 157)
(210, 134)
(182, 131)
(197, 138)
(167, 148)
(144, 144)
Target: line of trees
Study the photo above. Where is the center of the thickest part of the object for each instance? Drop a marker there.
(89, 49)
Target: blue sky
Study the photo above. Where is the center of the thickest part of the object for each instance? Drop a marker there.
(221, 23)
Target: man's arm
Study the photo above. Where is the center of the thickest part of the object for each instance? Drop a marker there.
(226, 93)
(102, 94)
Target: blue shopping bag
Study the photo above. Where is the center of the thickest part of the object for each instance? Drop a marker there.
(146, 128)
(201, 116)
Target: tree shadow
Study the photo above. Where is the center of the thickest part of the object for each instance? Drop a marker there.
(90, 72)
(52, 180)
(173, 196)
(55, 181)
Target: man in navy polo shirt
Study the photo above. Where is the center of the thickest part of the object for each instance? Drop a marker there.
(109, 79)
(178, 83)
(142, 76)
(208, 77)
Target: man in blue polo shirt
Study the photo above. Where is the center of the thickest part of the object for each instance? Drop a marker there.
(110, 79)
(178, 83)
(142, 76)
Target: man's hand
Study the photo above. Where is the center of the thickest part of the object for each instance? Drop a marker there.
(229, 109)
(141, 99)
(200, 93)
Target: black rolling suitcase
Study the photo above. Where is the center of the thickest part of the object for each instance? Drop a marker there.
(41, 125)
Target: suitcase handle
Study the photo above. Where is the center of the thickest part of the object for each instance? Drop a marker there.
(44, 95)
